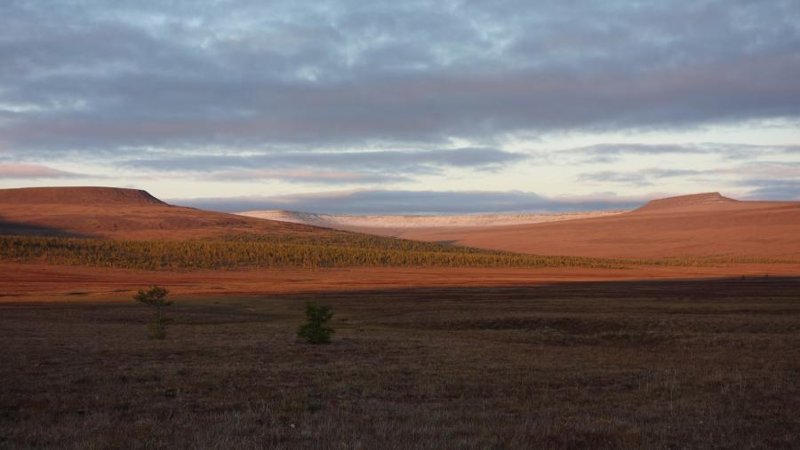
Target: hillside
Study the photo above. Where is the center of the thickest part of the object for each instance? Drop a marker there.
(122, 214)
(687, 226)
(72, 227)
(695, 225)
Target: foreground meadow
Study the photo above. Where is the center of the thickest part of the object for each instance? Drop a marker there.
(614, 364)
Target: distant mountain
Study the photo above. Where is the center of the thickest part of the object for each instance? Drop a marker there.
(122, 214)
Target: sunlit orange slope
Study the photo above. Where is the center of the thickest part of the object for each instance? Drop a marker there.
(692, 225)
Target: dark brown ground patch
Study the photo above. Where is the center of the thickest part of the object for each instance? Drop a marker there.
(709, 363)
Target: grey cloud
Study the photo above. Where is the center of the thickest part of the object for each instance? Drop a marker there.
(181, 75)
(610, 152)
(649, 149)
(763, 170)
(772, 189)
(307, 176)
(411, 202)
(638, 178)
(766, 180)
(421, 161)
(607, 153)
(608, 176)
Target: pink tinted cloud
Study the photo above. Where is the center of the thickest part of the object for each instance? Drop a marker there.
(32, 171)
(304, 175)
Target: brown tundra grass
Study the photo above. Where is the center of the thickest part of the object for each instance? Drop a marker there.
(592, 365)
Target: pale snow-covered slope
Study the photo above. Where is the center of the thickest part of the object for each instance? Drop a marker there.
(399, 222)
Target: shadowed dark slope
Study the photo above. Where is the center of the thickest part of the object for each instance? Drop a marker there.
(24, 229)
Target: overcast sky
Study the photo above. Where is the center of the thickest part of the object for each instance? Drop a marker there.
(414, 106)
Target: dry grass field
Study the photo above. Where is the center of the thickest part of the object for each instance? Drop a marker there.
(437, 346)
(650, 364)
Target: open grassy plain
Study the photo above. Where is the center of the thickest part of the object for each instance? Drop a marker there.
(436, 345)
(648, 364)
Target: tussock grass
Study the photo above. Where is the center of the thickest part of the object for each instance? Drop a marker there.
(326, 250)
(705, 364)
(239, 252)
(706, 261)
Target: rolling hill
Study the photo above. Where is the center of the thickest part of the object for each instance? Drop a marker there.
(122, 214)
(131, 229)
(699, 225)
(694, 225)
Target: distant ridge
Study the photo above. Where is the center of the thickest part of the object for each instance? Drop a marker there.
(688, 202)
(121, 213)
(78, 196)
(700, 225)
(387, 224)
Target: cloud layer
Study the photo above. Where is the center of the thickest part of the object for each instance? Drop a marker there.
(252, 96)
(97, 77)
(330, 166)
(412, 202)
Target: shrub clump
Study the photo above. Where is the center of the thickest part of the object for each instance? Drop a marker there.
(155, 297)
(315, 330)
(239, 252)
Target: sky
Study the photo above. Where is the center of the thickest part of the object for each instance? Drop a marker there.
(364, 106)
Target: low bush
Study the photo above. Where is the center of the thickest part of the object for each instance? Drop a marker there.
(156, 298)
(262, 252)
(315, 330)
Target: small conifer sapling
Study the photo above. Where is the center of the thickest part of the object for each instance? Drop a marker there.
(316, 330)
(156, 298)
